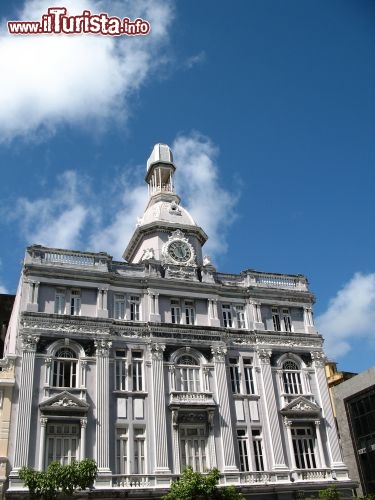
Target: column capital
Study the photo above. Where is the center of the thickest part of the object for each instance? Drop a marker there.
(83, 422)
(317, 423)
(319, 358)
(157, 351)
(29, 342)
(43, 421)
(265, 356)
(288, 423)
(102, 347)
(219, 352)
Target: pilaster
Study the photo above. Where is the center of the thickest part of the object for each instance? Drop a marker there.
(158, 401)
(229, 460)
(270, 410)
(102, 411)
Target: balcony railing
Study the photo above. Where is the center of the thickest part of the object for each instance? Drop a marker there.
(191, 398)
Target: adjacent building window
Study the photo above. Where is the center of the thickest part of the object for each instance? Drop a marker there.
(193, 448)
(234, 371)
(122, 450)
(281, 319)
(249, 376)
(134, 303)
(258, 449)
(243, 450)
(304, 447)
(64, 371)
(137, 370)
(75, 302)
(187, 374)
(121, 370)
(60, 301)
(119, 306)
(62, 443)
(139, 450)
(292, 378)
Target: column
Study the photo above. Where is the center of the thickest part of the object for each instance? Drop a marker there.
(175, 443)
(257, 315)
(288, 425)
(211, 439)
(32, 304)
(102, 410)
(226, 427)
(154, 306)
(102, 303)
(332, 441)
(29, 343)
(270, 409)
(308, 320)
(213, 319)
(158, 401)
(322, 461)
(82, 447)
(42, 443)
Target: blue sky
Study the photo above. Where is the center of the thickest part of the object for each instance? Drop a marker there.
(270, 110)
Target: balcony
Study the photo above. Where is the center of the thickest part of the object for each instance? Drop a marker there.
(184, 398)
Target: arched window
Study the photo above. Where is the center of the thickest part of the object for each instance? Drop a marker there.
(292, 378)
(187, 374)
(64, 372)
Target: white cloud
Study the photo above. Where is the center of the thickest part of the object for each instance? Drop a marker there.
(49, 80)
(197, 180)
(195, 60)
(56, 220)
(350, 315)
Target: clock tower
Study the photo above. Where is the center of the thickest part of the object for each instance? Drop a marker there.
(166, 233)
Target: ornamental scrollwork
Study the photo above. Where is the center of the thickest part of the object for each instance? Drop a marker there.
(29, 342)
(319, 358)
(265, 356)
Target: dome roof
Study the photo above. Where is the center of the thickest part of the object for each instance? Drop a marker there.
(166, 211)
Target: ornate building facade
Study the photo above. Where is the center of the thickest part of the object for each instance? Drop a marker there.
(160, 361)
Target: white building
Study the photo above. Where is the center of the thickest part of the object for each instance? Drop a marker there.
(160, 362)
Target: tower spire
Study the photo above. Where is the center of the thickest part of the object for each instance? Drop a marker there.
(159, 176)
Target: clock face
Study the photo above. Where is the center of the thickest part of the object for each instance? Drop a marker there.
(179, 251)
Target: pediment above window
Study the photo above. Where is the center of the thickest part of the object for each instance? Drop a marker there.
(301, 407)
(64, 402)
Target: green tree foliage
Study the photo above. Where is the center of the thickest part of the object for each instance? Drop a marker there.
(59, 478)
(196, 486)
(331, 493)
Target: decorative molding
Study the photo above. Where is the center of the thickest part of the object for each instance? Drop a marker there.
(319, 358)
(178, 235)
(64, 402)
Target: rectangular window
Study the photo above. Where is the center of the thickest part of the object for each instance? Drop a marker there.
(304, 447)
(119, 306)
(234, 375)
(243, 450)
(276, 319)
(189, 312)
(121, 370)
(227, 316)
(240, 316)
(175, 311)
(75, 302)
(139, 450)
(134, 307)
(193, 448)
(258, 450)
(60, 301)
(287, 322)
(122, 451)
(249, 378)
(62, 443)
(137, 369)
